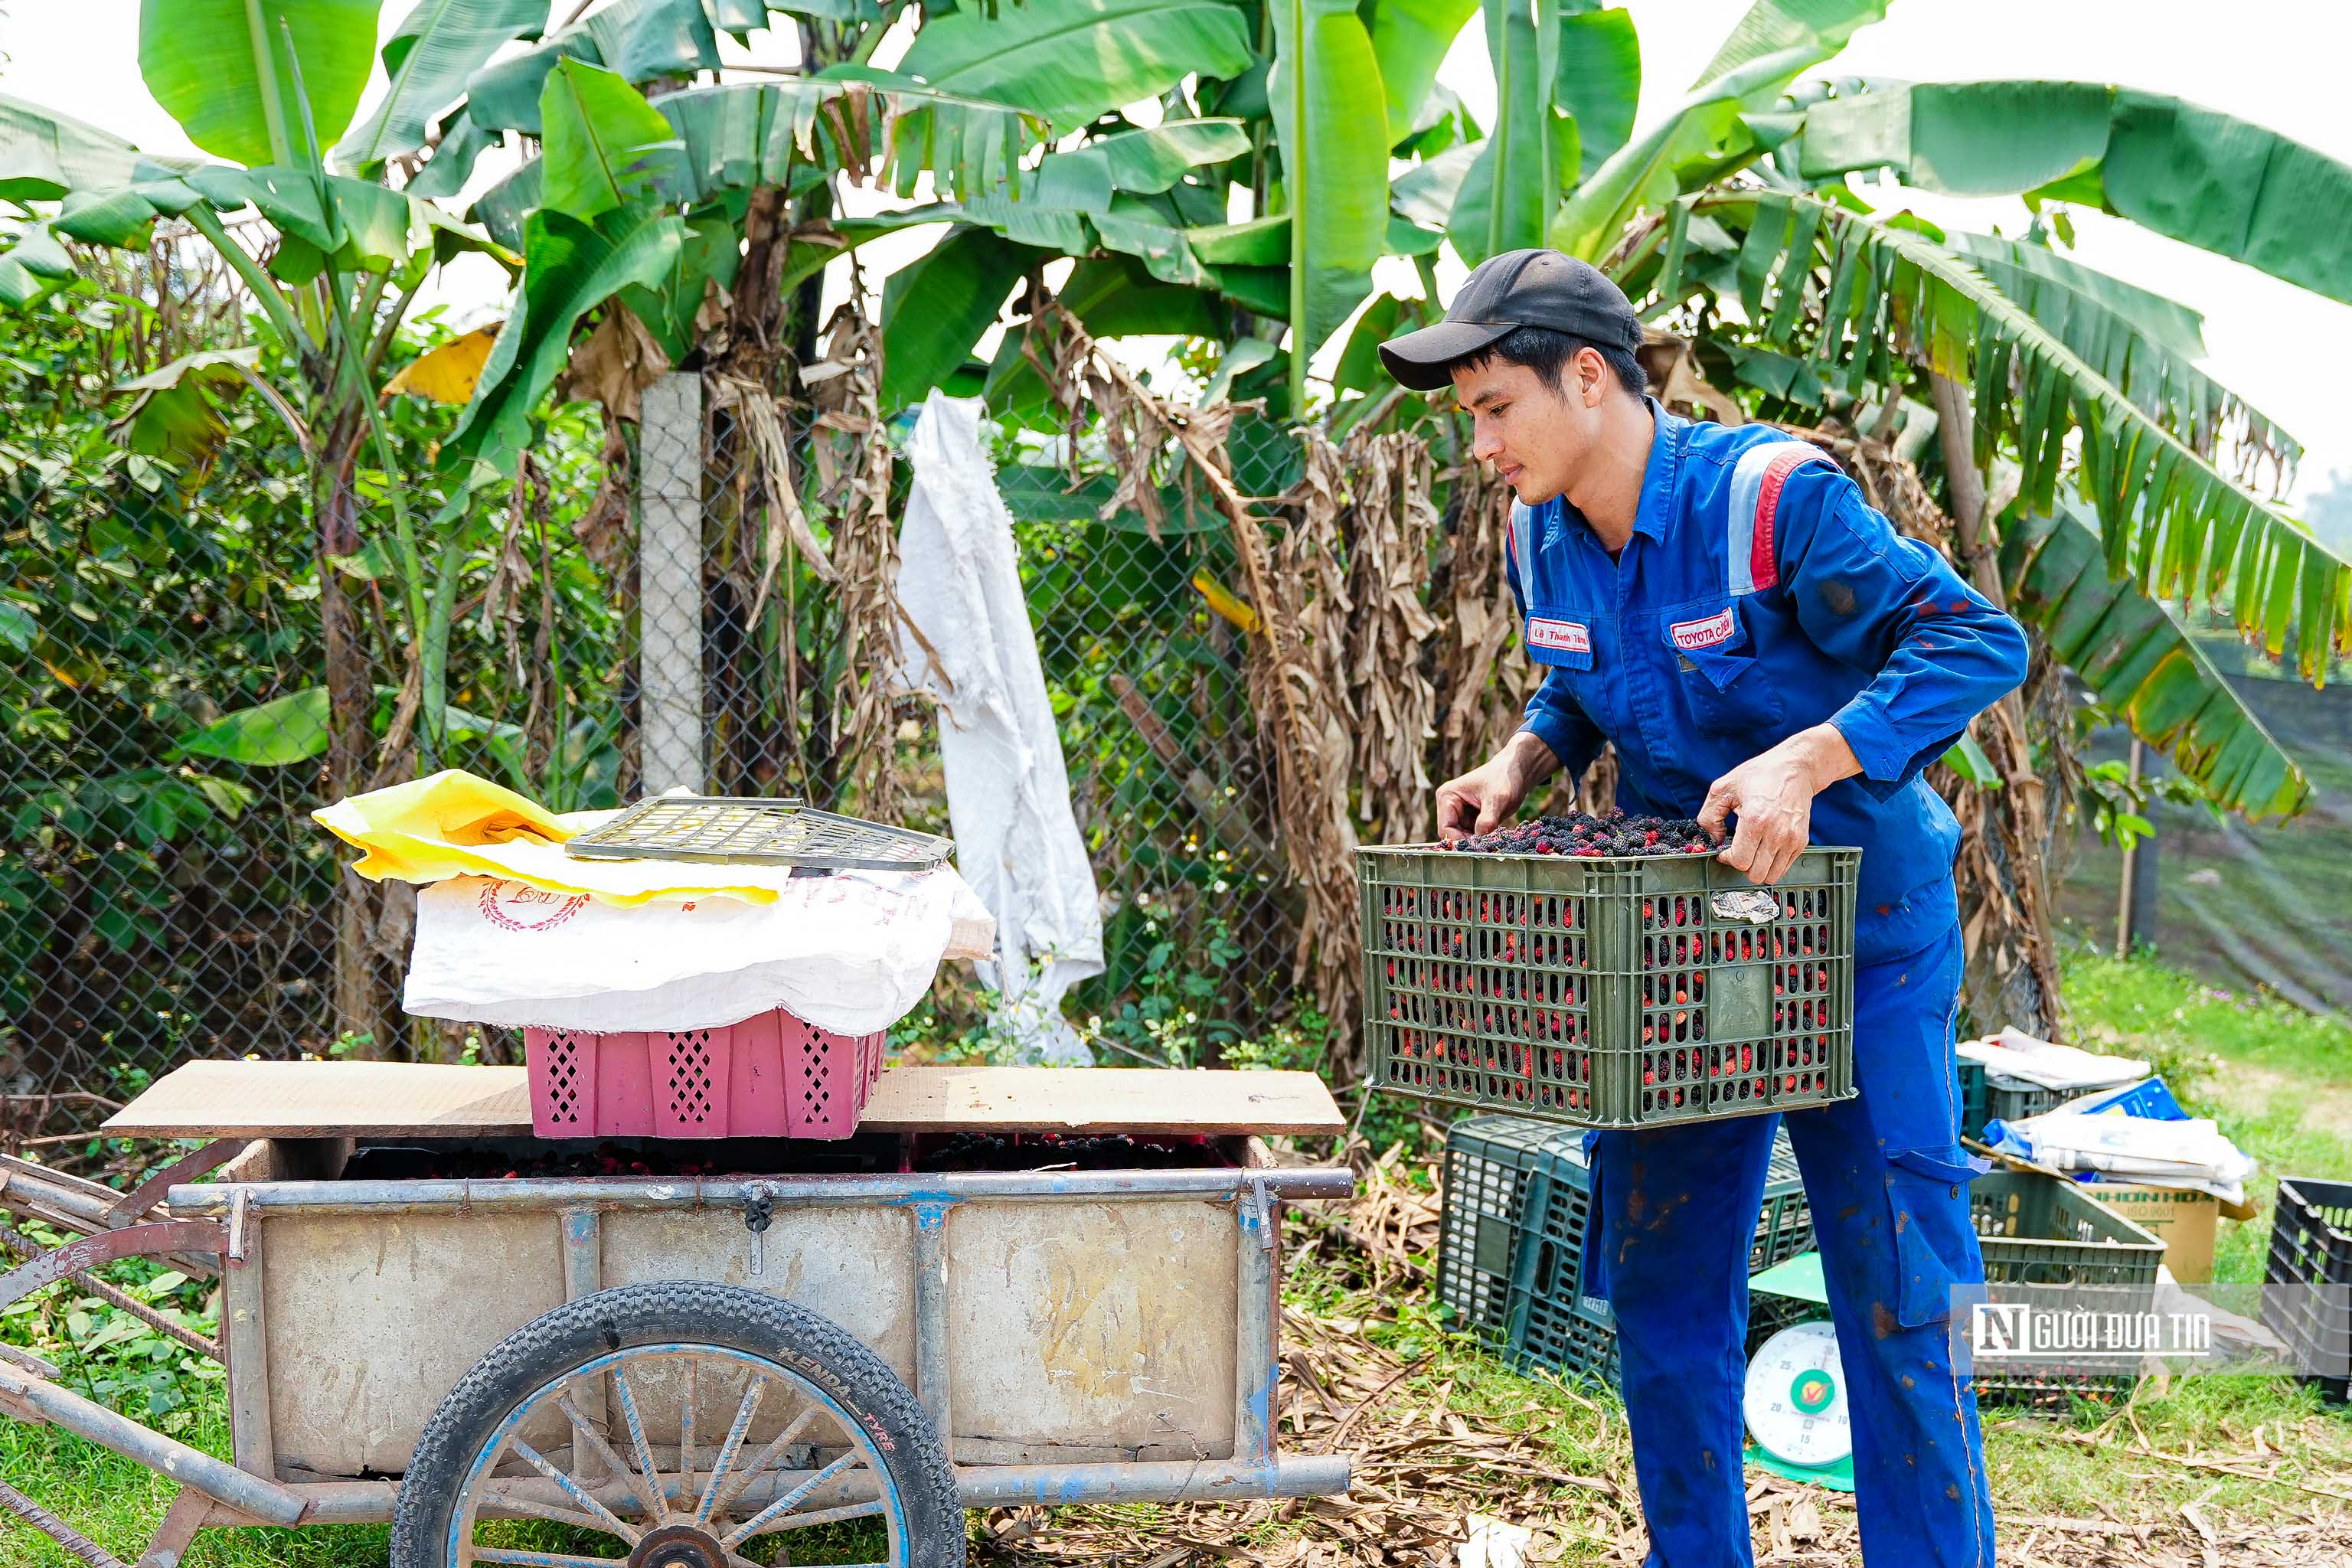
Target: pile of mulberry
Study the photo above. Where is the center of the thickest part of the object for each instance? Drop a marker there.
(1591, 837)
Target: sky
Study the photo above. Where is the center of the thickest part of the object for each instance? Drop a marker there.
(2278, 62)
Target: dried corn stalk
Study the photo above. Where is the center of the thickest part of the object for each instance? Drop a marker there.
(1295, 656)
(1483, 681)
(853, 462)
(1368, 500)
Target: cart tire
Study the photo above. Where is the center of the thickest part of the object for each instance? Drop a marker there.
(921, 1483)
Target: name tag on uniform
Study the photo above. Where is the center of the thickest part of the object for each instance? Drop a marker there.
(1569, 637)
(1705, 632)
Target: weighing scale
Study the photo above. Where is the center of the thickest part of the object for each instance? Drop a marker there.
(1795, 1397)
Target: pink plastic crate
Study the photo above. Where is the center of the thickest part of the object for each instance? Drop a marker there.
(773, 1076)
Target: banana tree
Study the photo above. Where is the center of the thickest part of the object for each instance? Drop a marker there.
(750, 170)
(332, 260)
(1730, 217)
(2050, 352)
(1731, 220)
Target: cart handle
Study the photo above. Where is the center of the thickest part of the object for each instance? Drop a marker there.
(38, 1400)
(111, 1247)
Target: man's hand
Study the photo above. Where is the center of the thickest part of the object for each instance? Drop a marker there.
(1484, 798)
(1773, 797)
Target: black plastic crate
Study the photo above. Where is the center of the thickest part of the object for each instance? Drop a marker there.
(2308, 1302)
(2038, 1229)
(1624, 991)
(1519, 1199)
(1987, 1096)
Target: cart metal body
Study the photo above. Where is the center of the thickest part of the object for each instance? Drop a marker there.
(1074, 1335)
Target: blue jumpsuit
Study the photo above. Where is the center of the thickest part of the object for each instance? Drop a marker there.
(1761, 596)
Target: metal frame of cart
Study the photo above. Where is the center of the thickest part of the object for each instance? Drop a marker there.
(973, 1286)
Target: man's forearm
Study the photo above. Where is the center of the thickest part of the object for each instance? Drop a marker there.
(1824, 754)
(1530, 761)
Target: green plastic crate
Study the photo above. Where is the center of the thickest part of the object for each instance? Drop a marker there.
(1987, 1096)
(1616, 991)
(1511, 1238)
(2037, 1229)
(1553, 1335)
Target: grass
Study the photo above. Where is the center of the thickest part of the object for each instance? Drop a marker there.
(2278, 1081)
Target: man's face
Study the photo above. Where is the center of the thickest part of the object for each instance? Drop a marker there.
(1533, 435)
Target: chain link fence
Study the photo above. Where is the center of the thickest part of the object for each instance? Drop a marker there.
(198, 650)
(194, 663)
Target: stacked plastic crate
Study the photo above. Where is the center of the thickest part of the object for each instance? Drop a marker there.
(1511, 1250)
(2047, 1242)
(2307, 1289)
(1987, 1096)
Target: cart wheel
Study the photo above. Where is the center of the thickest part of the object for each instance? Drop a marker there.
(672, 1425)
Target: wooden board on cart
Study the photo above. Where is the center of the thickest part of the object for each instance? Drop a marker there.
(414, 1099)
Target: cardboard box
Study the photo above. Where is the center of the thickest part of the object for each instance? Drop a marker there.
(2184, 1221)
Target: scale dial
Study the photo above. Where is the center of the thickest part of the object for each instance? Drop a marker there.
(1795, 1401)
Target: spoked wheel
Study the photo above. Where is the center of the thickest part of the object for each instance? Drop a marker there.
(672, 1426)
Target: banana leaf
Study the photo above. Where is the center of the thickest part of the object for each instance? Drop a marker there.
(639, 39)
(224, 71)
(1507, 197)
(1334, 177)
(2173, 523)
(601, 139)
(937, 307)
(1600, 83)
(1770, 26)
(1410, 38)
(745, 135)
(426, 61)
(2193, 174)
(1072, 60)
(2144, 343)
(570, 267)
(2137, 656)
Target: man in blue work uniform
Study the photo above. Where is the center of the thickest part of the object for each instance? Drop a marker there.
(1766, 654)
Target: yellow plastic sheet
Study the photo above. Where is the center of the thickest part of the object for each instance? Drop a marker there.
(454, 824)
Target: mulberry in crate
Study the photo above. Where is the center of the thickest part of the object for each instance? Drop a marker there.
(1590, 836)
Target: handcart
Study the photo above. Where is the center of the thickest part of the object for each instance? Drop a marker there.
(883, 1329)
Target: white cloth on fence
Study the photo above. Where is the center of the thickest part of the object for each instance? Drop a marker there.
(853, 951)
(2018, 1055)
(1017, 839)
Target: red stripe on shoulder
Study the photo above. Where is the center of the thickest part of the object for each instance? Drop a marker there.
(1763, 567)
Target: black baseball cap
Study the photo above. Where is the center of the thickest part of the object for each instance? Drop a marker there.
(1516, 289)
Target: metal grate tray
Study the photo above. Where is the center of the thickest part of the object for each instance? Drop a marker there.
(770, 832)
